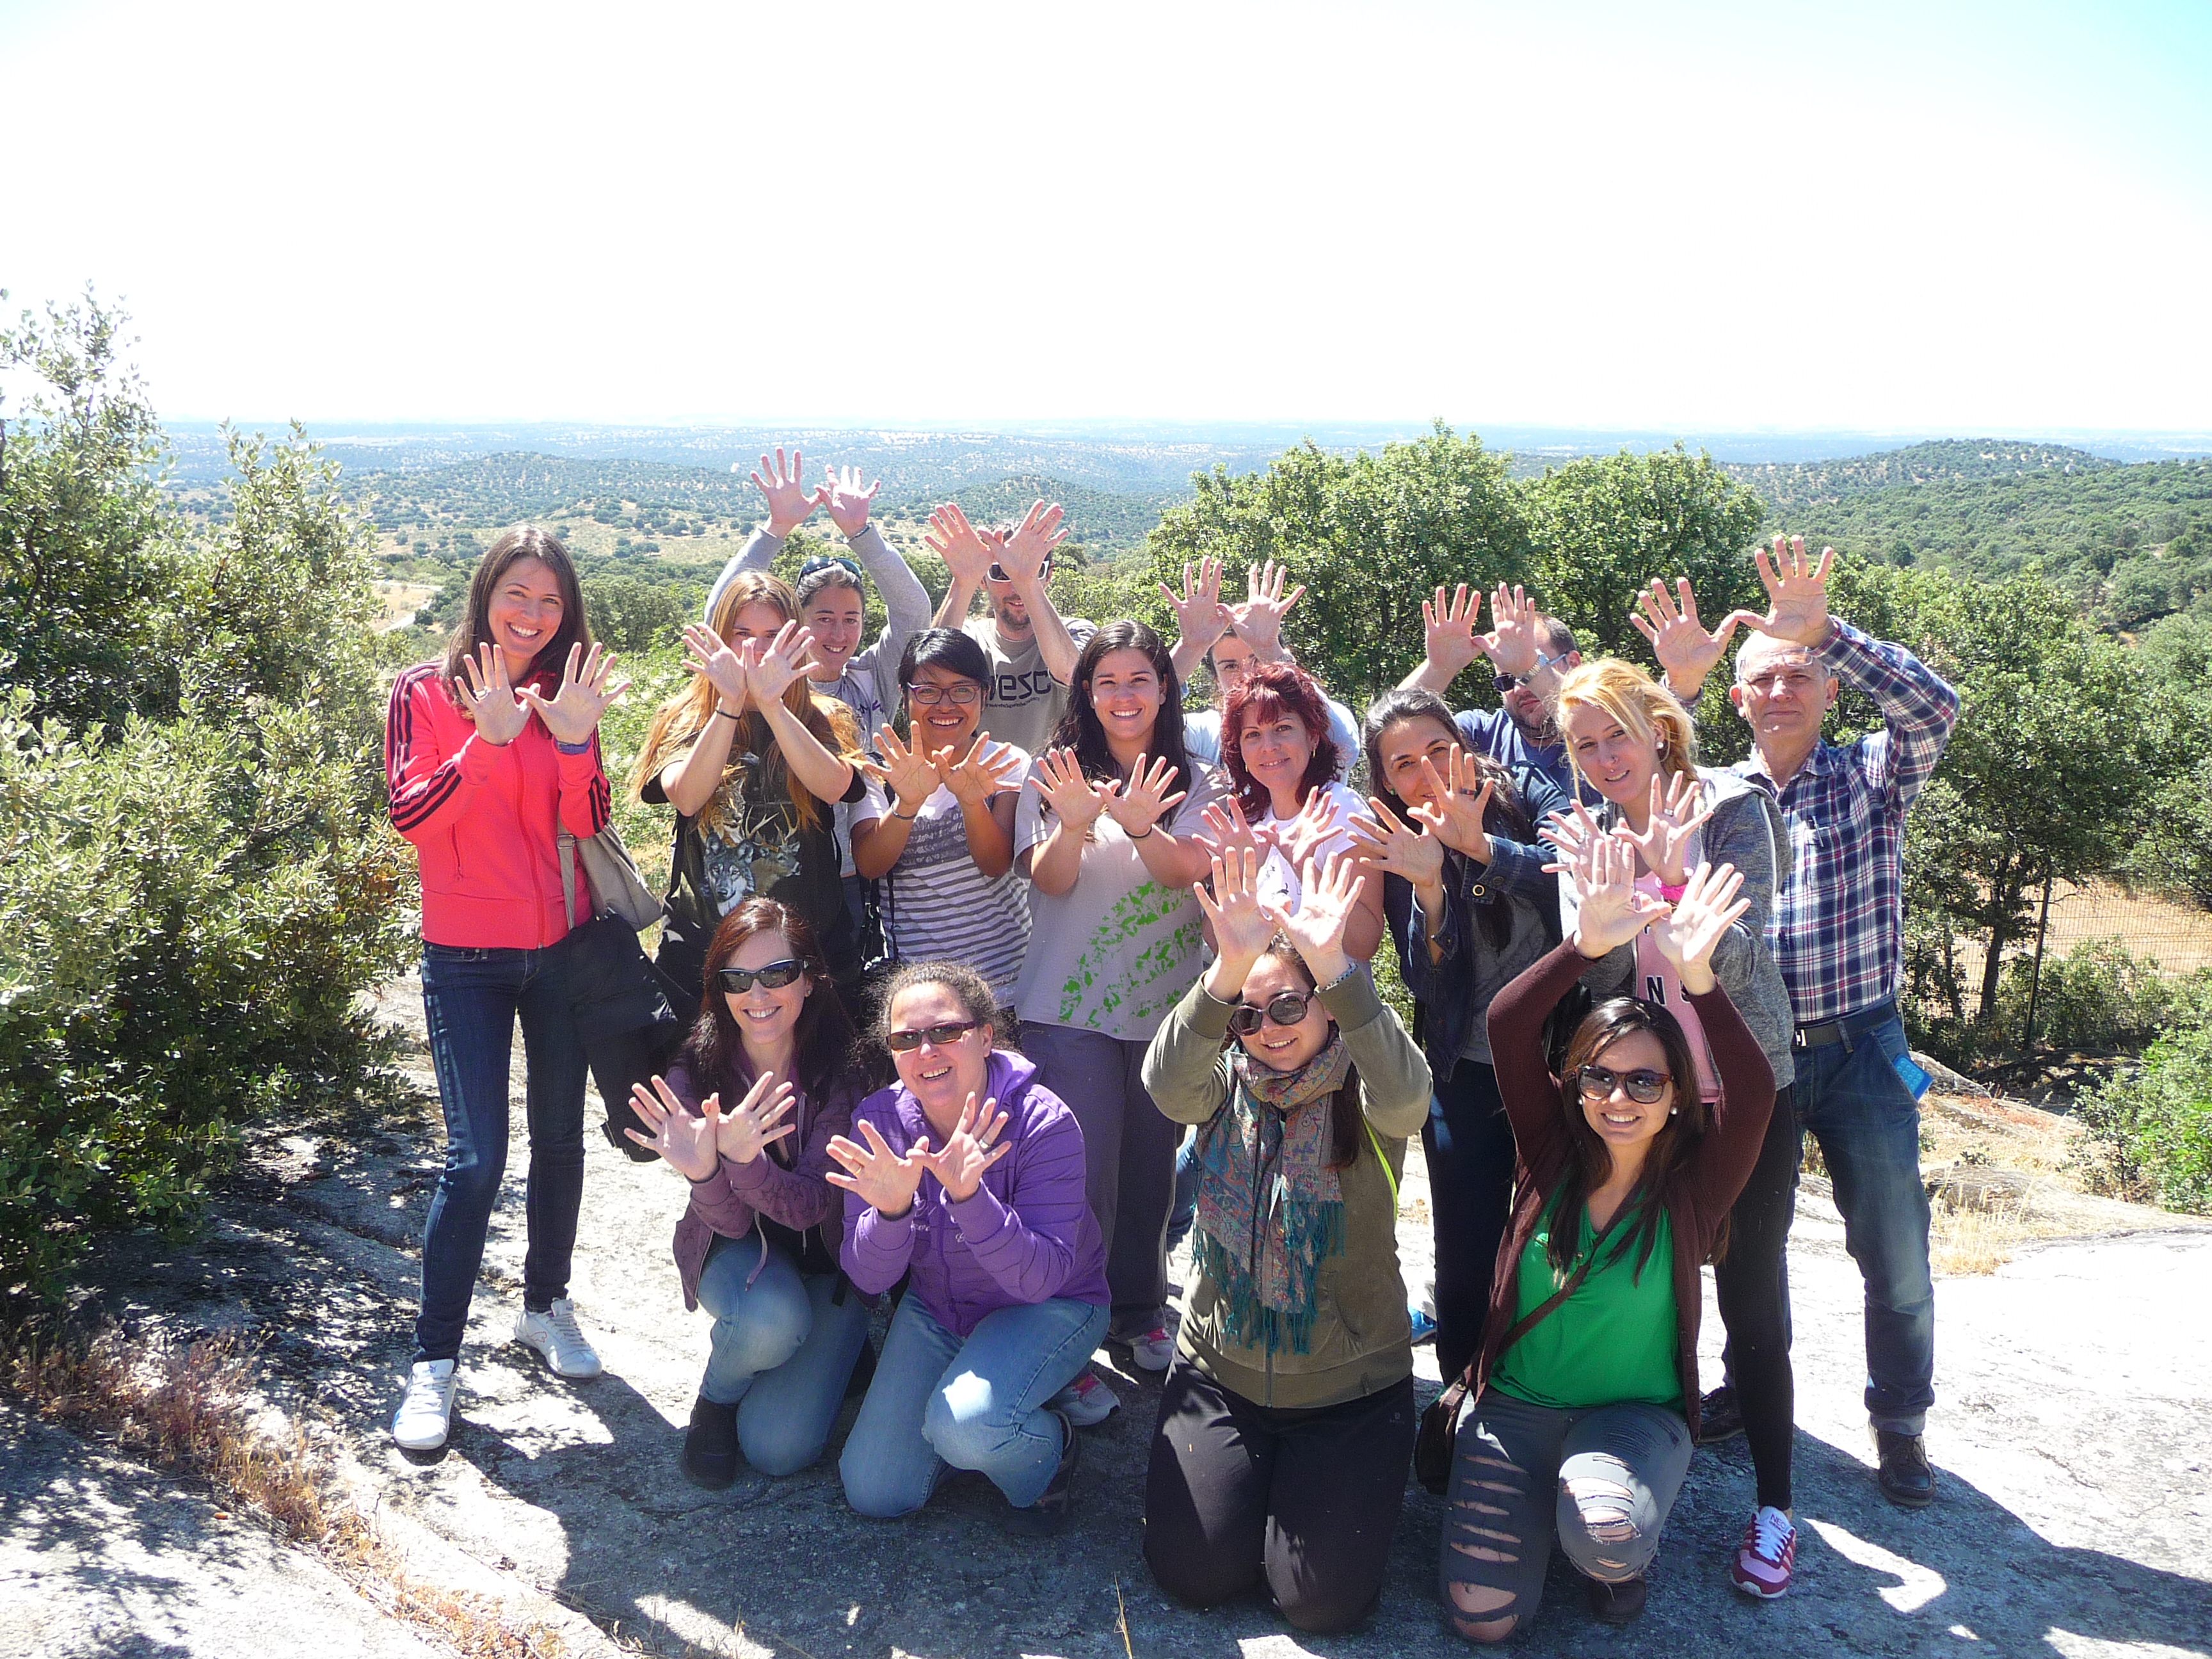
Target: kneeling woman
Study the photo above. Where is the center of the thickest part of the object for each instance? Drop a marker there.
(971, 1179)
(1588, 1377)
(759, 1245)
(1287, 1422)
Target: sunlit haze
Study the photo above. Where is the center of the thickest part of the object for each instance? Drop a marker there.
(1872, 217)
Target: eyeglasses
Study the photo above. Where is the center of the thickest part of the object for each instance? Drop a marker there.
(1507, 682)
(928, 696)
(774, 977)
(1284, 1008)
(825, 560)
(939, 1036)
(1643, 1084)
(998, 572)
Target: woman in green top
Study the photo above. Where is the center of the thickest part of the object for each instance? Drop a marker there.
(1586, 1386)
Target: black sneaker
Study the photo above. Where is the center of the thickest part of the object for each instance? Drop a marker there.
(1906, 1478)
(710, 1445)
(1049, 1514)
(1615, 1604)
(1719, 1416)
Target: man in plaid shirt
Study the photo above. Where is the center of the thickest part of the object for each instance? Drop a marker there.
(1837, 933)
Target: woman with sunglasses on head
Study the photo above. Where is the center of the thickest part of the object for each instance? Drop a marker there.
(937, 829)
(1634, 747)
(966, 1180)
(1287, 1422)
(1584, 1401)
(1470, 904)
(752, 761)
(1106, 835)
(489, 755)
(758, 1243)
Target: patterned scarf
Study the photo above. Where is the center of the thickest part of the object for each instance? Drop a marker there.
(1270, 1210)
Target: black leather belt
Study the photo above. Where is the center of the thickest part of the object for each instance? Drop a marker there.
(1844, 1030)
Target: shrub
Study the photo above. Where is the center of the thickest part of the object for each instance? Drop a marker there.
(2149, 1131)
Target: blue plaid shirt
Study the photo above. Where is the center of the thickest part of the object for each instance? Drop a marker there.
(1838, 926)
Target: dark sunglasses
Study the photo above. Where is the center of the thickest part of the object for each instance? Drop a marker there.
(825, 560)
(1284, 1008)
(998, 572)
(928, 696)
(1643, 1086)
(940, 1036)
(774, 977)
(1507, 682)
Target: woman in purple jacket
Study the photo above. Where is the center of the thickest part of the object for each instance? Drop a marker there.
(971, 1179)
(758, 1244)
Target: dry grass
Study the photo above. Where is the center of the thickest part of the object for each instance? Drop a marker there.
(188, 1408)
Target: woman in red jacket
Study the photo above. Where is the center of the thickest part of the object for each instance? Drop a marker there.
(489, 755)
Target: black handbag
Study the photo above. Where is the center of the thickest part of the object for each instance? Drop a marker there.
(630, 1016)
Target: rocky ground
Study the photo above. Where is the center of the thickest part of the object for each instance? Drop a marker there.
(2072, 1436)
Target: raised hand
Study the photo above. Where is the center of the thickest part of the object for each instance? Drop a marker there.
(1447, 629)
(1386, 842)
(1328, 893)
(1610, 911)
(1664, 842)
(977, 776)
(498, 714)
(909, 774)
(1226, 830)
(1074, 799)
(1797, 595)
(967, 555)
(1242, 928)
(1460, 795)
(771, 668)
(1512, 644)
(1137, 802)
(789, 502)
(884, 1180)
(1685, 651)
(1313, 825)
(711, 654)
(1026, 551)
(1707, 909)
(757, 1122)
(959, 1165)
(1259, 620)
(1200, 617)
(585, 689)
(848, 503)
(1571, 830)
(687, 1144)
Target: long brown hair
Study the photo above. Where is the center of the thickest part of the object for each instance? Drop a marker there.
(714, 1052)
(677, 722)
(1671, 1149)
(523, 540)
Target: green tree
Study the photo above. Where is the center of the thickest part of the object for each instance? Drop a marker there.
(632, 617)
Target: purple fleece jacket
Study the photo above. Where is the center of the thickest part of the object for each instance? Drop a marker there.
(727, 1200)
(1025, 1235)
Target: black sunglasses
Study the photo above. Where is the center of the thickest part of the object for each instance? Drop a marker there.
(942, 1036)
(1507, 682)
(774, 977)
(1284, 1008)
(1643, 1084)
(998, 572)
(825, 561)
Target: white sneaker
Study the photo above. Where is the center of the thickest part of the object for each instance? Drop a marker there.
(1085, 1402)
(555, 1334)
(426, 1414)
(1154, 1350)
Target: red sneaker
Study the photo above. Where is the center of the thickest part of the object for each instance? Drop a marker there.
(1769, 1551)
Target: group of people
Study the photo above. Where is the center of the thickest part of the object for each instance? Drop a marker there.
(987, 949)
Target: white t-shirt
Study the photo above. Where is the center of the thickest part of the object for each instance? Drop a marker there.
(1278, 884)
(937, 904)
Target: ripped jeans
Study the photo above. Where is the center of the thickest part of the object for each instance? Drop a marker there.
(1603, 1478)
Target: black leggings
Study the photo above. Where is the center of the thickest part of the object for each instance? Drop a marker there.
(1239, 1496)
(1752, 1284)
(1470, 1148)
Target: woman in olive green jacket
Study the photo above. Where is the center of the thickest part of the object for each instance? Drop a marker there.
(1286, 1421)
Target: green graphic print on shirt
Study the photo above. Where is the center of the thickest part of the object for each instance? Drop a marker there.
(1143, 986)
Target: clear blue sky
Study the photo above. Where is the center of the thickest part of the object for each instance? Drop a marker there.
(1877, 217)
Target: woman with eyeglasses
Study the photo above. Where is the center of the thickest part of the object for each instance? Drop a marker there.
(1635, 745)
(1107, 834)
(1287, 1422)
(752, 761)
(758, 1243)
(966, 1180)
(1585, 1393)
(936, 831)
(1470, 903)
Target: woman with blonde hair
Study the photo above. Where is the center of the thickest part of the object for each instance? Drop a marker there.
(1629, 738)
(753, 762)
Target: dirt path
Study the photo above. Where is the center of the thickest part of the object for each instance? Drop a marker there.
(2072, 1438)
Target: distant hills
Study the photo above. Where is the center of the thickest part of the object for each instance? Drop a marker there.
(1791, 489)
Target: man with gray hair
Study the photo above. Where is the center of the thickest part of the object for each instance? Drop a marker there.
(1837, 933)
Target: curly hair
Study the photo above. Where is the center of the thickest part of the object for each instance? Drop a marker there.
(1270, 691)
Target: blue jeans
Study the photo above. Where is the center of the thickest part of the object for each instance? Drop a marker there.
(976, 1404)
(1469, 1145)
(1184, 1215)
(470, 997)
(1867, 1124)
(783, 1350)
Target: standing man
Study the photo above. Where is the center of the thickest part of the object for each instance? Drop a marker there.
(1032, 651)
(1530, 652)
(1837, 933)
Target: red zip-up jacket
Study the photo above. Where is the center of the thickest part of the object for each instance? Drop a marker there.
(485, 818)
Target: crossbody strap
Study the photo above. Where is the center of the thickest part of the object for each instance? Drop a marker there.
(1528, 1321)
